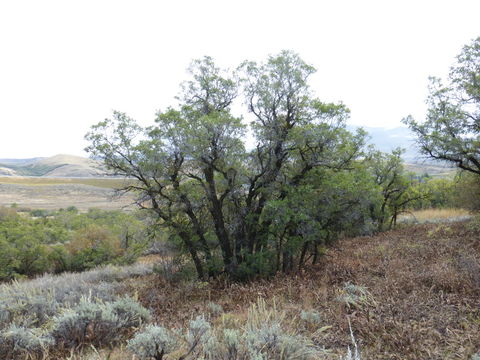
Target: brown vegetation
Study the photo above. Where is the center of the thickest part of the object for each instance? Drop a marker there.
(411, 293)
(435, 215)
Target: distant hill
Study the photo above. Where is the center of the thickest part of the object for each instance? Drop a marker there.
(4, 171)
(387, 139)
(434, 169)
(55, 166)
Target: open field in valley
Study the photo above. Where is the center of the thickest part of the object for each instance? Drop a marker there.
(55, 193)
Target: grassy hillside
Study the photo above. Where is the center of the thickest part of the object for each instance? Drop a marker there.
(411, 293)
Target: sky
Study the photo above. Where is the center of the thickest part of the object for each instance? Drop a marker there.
(65, 65)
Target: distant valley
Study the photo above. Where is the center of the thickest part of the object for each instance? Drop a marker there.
(59, 182)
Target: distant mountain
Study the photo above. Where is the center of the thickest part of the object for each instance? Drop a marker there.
(387, 139)
(55, 166)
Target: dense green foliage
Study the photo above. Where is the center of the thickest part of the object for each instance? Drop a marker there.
(399, 190)
(466, 192)
(40, 241)
(269, 208)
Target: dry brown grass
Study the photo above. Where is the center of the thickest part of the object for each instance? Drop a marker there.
(51, 194)
(109, 183)
(436, 215)
(423, 287)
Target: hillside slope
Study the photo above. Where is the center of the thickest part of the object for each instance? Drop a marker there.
(5, 171)
(56, 166)
(72, 166)
(411, 293)
(406, 294)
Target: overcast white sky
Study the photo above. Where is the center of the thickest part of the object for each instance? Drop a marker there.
(64, 65)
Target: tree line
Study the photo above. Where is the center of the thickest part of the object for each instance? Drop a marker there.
(39, 241)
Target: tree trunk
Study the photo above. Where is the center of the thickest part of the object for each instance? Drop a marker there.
(219, 222)
(193, 252)
(301, 262)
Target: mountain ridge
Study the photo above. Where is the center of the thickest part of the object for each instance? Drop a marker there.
(388, 139)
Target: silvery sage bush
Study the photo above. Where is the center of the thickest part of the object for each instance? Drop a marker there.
(97, 323)
(18, 341)
(153, 342)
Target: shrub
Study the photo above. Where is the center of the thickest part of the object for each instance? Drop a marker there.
(66, 241)
(355, 296)
(474, 224)
(130, 312)
(263, 336)
(86, 323)
(270, 341)
(467, 191)
(7, 214)
(17, 341)
(311, 317)
(55, 304)
(8, 260)
(93, 246)
(40, 213)
(32, 257)
(153, 342)
(197, 333)
(97, 323)
(44, 296)
(59, 258)
(72, 209)
(175, 269)
(214, 309)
